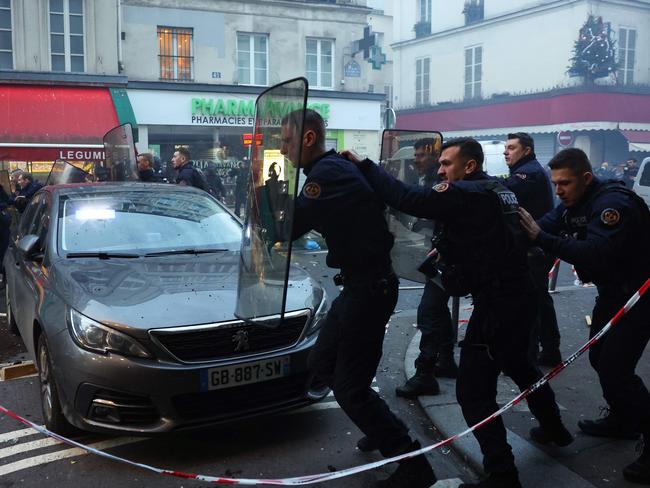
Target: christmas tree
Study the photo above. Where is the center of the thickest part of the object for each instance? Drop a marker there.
(593, 52)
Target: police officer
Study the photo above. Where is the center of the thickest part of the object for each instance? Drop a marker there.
(603, 229)
(436, 356)
(146, 172)
(531, 185)
(187, 174)
(483, 252)
(338, 202)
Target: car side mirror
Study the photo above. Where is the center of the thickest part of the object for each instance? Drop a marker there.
(28, 245)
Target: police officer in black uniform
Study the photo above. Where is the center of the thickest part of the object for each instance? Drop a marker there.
(483, 252)
(338, 202)
(603, 229)
(436, 356)
(531, 185)
(187, 173)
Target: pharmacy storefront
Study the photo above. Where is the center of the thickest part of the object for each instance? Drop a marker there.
(217, 127)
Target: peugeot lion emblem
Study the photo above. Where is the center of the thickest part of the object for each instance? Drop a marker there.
(241, 341)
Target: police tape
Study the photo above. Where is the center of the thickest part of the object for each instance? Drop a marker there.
(554, 268)
(321, 477)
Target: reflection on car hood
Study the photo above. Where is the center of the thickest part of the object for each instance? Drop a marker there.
(162, 291)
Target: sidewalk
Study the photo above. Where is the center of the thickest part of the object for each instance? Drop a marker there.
(588, 462)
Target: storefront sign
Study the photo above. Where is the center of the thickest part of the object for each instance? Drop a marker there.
(238, 112)
(82, 154)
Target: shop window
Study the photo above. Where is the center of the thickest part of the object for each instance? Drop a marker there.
(422, 81)
(6, 45)
(473, 71)
(67, 35)
(320, 63)
(176, 53)
(252, 59)
(626, 52)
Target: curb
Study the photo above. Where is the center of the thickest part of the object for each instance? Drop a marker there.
(445, 414)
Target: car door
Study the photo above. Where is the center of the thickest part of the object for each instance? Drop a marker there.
(29, 277)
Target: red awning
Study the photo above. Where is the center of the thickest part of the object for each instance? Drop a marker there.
(56, 116)
(642, 136)
(544, 111)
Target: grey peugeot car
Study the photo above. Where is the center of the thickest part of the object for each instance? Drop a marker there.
(124, 295)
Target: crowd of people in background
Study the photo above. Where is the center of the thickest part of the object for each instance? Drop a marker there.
(625, 171)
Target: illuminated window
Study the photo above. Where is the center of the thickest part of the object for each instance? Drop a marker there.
(252, 59)
(176, 53)
(67, 35)
(320, 62)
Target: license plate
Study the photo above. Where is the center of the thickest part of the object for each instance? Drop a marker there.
(244, 374)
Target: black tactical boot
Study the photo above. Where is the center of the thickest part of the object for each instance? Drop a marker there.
(509, 479)
(422, 383)
(549, 357)
(365, 444)
(556, 433)
(446, 366)
(611, 425)
(415, 472)
(639, 470)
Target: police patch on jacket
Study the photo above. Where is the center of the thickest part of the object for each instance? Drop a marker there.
(440, 187)
(311, 190)
(523, 176)
(610, 216)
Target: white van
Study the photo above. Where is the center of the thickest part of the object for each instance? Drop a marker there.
(494, 162)
(642, 182)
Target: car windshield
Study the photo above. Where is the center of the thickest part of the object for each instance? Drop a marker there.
(143, 222)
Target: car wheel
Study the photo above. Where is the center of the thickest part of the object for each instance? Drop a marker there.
(53, 417)
(11, 321)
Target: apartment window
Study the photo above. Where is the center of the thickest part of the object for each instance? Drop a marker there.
(474, 11)
(320, 62)
(252, 59)
(6, 46)
(626, 51)
(176, 53)
(473, 68)
(422, 82)
(425, 10)
(67, 35)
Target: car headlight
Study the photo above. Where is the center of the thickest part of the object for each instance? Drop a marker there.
(320, 314)
(96, 337)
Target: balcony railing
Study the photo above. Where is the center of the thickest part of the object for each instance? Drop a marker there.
(422, 29)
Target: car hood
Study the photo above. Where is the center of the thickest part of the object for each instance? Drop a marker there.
(164, 291)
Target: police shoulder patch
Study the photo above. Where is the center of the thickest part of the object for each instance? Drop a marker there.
(610, 216)
(523, 176)
(440, 187)
(311, 190)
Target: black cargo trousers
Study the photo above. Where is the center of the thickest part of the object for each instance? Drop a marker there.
(496, 341)
(434, 321)
(347, 353)
(616, 354)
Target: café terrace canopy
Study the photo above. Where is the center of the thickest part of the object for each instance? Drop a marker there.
(44, 123)
(544, 113)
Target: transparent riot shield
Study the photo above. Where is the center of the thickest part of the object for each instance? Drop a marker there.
(398, 157)
(273, 185)
(63, 173)
(121, 163)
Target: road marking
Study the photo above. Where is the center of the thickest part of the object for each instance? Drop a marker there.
(74, 452)
(8, 436)
(28, 446)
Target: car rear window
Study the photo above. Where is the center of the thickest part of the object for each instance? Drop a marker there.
(144, 221)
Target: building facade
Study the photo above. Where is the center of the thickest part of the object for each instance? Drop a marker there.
(481, 68)
(61, 87)
(194, 72)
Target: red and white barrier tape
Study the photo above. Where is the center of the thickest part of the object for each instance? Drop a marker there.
(318, 478)
(553, 268)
